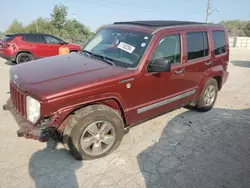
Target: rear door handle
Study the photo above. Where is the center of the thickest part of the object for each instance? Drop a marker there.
(209, 63)
(179, 71)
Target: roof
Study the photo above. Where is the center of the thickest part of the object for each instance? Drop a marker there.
(159, 23)
(18, 34)
(152, 26)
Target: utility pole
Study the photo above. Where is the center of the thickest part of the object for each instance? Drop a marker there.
(208, 9)
(209, 12)
(36, 27)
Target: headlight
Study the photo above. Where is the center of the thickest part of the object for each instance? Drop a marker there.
(32, 109)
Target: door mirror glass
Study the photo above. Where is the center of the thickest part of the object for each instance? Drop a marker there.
(160, 65)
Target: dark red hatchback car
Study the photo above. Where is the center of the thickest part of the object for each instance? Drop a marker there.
(23, 47)
(127, 73)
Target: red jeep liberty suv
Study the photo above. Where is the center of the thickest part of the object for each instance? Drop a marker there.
(127, 73)
(23, 47)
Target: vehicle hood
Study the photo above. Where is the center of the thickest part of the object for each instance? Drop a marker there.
(49, 77)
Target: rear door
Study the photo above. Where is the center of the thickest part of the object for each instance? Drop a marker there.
(196, 62)
(36, 44)
(53, 44)
(221, 53)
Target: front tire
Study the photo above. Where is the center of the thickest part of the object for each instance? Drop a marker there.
(208, 96)
(93, 132)
(23, 58)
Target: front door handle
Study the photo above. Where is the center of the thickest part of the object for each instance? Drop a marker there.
(179, 71)
(209, 63)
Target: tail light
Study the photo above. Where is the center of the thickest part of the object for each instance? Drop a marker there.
(6, 45)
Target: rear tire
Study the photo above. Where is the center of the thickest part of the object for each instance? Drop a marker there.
(23, 58)
(208, 96)
(93, 132)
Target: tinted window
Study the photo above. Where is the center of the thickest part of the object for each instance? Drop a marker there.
(168, 48)
(197, 45)
(34, 38)
(52, 40)
(7, 38)
(219, 42)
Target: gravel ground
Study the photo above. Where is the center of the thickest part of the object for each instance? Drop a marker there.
(179, 149)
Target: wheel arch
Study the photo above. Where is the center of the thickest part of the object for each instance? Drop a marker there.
(219, 81)
(216, 73)
(62, 117)
(24, 51)
(73, 50)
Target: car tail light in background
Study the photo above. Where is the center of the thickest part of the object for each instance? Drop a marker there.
(6, 45)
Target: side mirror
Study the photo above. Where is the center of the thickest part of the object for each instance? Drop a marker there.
(160, 65)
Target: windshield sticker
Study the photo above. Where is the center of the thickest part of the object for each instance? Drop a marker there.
(145, 37)
(126, 47)
(143, 44)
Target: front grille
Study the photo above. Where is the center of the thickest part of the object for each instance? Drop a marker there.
(18, 100)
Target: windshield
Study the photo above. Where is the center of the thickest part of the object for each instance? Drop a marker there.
(124, 47)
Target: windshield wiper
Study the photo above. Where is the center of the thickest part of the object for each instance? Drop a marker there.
(87, 52)
(106, 59)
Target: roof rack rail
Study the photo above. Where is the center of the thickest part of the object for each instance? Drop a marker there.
(159, 23)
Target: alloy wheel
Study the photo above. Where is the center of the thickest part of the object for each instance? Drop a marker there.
(97, 138)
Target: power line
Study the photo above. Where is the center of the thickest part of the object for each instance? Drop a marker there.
(138, 7)
(132, 5)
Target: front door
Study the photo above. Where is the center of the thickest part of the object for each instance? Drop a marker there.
(53, 45)
(160, 92)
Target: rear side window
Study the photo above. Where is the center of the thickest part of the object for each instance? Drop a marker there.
(34, 38)
(8, 38)
(219, 42)
(197, 45)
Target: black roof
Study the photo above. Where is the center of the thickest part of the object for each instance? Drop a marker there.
(159, 23)
(18, 34)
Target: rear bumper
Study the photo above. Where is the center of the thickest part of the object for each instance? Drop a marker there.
(7, 57)
(26, 129)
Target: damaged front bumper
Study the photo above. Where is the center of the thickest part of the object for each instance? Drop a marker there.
(26, 129)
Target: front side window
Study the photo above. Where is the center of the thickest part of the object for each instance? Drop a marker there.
(197, 45)
(52, 40)
(169, 48)
(219, 42)
(125, 48)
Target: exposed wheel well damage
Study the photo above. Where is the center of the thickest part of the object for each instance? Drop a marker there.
(113, 103)
(219, 80)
